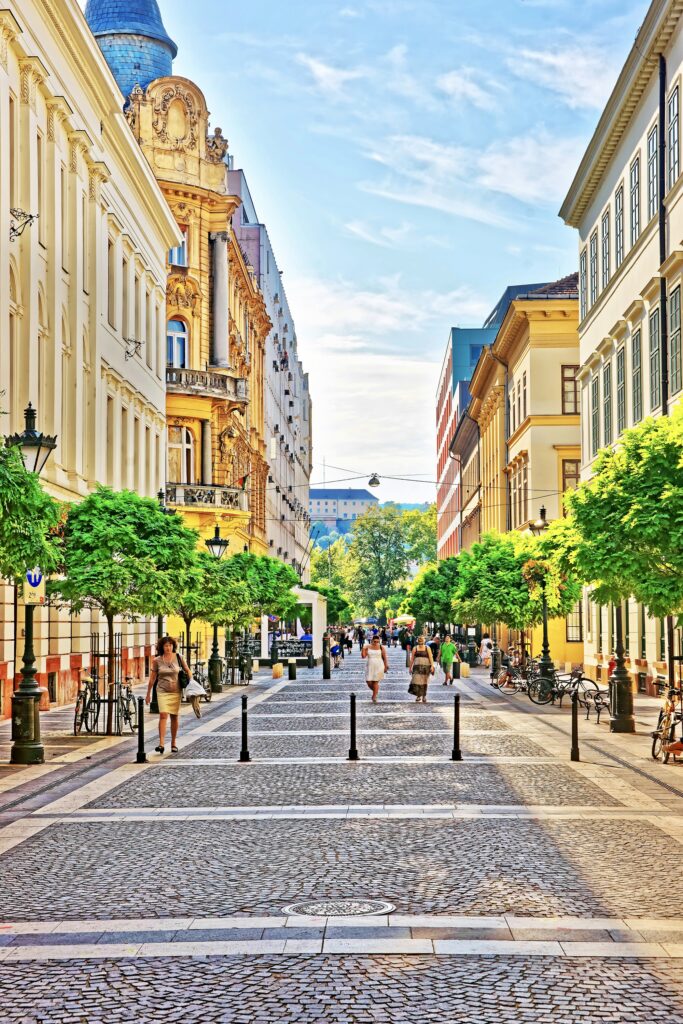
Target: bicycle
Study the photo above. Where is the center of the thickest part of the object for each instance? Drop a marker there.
(202, 678)
(88, 703)
(544, 689)
(669, 717)
(128, 705)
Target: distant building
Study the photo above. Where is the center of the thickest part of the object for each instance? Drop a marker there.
(338, 507)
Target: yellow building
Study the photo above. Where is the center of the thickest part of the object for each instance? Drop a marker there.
(525, 398)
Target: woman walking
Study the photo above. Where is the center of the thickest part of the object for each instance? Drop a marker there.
(377, 665)
(421, 667)
(166, 669)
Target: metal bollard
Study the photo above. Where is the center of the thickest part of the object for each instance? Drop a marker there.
(311, 660)
(574, 755)
(274, 655)
(353, 749)
(457, 753)
(142, 756)
(291, 668)
(327, 667)
(244, 752)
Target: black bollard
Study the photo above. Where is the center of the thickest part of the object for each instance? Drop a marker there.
(574, 756)
(244, 752)
(311, 660)
(142, 756)
(274, 655)
(291, 667)
(327, 667)
(457, 753)
(353, 749)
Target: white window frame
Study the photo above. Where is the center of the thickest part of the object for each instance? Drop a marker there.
(172, 339)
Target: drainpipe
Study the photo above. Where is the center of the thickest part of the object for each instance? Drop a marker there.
(663, 310)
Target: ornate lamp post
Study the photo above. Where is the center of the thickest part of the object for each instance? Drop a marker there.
(27, 747)
(545, 662)
(217, 546)
(621, 717)
(161, 498)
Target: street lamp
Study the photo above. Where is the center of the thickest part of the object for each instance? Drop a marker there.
(217, 546)
(373, 481)
(27, 746)
(621, 717)
(545, 662)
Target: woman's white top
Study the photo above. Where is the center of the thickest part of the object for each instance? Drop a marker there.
(375, 666)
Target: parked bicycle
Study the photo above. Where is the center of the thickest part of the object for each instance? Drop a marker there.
(88, 704)
(544, 689)
(200, 675)
(671, 713)
(128, 705)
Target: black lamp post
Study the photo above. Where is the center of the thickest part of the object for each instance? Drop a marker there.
(161, 498)
(545, 662)
(217, 546)
(621, 717)
(27, 746)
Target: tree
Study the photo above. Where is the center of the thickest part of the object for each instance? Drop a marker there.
(378, 557)
(330, 565)
(29, 520)
(430, 597)
(501, 578)
(124, 556)
(421, 534)
(270, 582)
(338, 608)
(624, 535)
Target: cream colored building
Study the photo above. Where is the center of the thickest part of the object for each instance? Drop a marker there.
(82, 296)
(631, 275)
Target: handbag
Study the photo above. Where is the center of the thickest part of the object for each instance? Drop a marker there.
(194, 689)
(183, 676)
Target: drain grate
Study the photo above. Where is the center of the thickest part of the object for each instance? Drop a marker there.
(338, 908)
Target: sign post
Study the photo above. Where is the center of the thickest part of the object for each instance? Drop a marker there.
(27, 746)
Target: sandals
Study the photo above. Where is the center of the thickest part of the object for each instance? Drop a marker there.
(159, 750)
(174, 750)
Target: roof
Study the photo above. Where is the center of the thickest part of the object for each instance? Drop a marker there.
(566, 288)
(341, 494)
(513, 291)
(129, 17)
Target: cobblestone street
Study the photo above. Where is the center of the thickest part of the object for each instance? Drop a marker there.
(514, 886)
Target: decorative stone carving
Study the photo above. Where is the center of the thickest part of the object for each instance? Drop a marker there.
(182, 292)
(161, 109)
(132, 111)
(58, 111)
(216, 146)
(9, 30)
(32, 73)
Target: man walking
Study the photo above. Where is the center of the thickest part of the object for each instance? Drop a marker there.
(448, 655)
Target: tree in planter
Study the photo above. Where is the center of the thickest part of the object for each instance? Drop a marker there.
(430, 597)
(29, 520)
(125, 557)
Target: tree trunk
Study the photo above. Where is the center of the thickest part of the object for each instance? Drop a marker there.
(111, 675)
(188, 637)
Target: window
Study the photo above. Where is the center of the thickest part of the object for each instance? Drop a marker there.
(607, 403)
(570, 391)
(652, 173)
(635, 200)
(85, 239)
(177, 256)
(570, 474)
(176, 344)
(605, 248)
(519, 403)
(524, 394)
(180, 455)
(65, 219)
(595, 415)
(582, 284)
(575, 624)
(673, 143)
(111, 284)
(661, 632)
(655, 366)
(594, 266)
(124, 290)
(619, 227)
(621, 391)
(598, 627)
(675, 340)
(637, 377)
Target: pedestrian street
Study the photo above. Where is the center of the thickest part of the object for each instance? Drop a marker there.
(514, 885)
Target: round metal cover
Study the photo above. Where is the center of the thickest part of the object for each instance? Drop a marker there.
(339, 908)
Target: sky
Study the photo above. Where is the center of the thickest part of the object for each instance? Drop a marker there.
(409, 158)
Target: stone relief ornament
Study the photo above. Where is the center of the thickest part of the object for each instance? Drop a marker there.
(189, 122)
(182, 293)
(216, 146)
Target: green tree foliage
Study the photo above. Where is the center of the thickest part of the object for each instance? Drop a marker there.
(339, 610)
(329, 565)
(270, 583)
(625, 531)
(28, 520)
(421, 534)
(430, 597)
(378, 556)
(500, 580)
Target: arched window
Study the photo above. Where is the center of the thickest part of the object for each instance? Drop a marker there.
(177, 339)
(180, 456)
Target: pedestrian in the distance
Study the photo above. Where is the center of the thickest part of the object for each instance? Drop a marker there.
(421, 668)
(448, 656)
(361, 637)
(377, 665)
(166, 670)
(485, 650)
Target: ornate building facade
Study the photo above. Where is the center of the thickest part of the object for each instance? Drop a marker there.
(82, 299)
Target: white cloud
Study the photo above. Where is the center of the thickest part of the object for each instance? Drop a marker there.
(329, 80)
(462, 87)
(350, 12)
(582, 76)
(534, 168)
(386, 237)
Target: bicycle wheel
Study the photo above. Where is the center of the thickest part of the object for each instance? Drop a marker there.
(507, 683)
(130, 712)
(658, 734)
(78, 714)
(541, 690)
(586, 689)
(668, 737)
(92, 712)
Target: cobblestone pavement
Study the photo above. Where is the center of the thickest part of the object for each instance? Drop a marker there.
(185, 785)
(348, 990)
(164, 891)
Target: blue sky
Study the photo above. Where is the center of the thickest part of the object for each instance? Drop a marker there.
(409, 158)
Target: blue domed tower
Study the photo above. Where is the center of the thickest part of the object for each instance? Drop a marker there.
(132, 37)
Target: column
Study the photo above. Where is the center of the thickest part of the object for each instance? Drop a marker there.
(265, 653)
(221, 322)
(207, 462)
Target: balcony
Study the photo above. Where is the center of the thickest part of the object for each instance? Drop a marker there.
(208, 383)
(202, 496)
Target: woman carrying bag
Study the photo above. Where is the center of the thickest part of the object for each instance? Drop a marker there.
(171, 675)
(421, 667)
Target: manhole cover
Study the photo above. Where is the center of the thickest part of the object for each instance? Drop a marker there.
(339, 908)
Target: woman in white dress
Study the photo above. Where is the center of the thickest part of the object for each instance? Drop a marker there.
(377, 665)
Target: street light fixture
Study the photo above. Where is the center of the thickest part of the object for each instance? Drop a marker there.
(161, 498)
(373, 481)
(27, 746)
(217, 546)
(545, 662)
